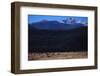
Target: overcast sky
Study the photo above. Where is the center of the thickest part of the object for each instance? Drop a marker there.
(37, 18)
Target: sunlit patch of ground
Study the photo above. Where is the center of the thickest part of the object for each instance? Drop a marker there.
(57, 55)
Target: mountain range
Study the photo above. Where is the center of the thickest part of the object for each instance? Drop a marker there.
(54, 25)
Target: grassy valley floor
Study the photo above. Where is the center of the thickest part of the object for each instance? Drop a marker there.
(57, 55)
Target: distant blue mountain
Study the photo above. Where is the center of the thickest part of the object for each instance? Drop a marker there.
(54, 25)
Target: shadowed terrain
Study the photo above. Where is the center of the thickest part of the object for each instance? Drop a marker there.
(55, 40)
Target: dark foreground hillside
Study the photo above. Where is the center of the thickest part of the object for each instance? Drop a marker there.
(57, 40)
